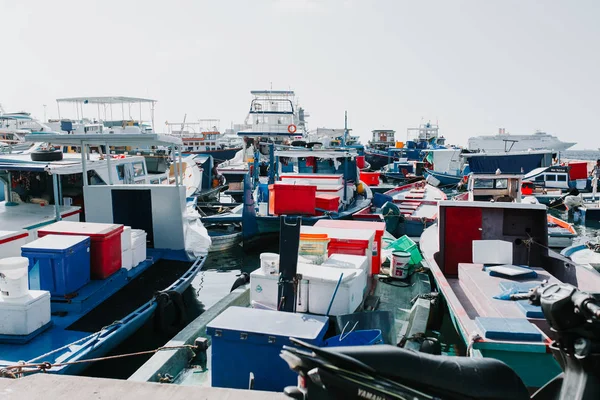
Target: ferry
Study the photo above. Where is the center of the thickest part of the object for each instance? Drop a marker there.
(506, 142)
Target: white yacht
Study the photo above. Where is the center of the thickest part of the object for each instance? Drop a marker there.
(505, 142)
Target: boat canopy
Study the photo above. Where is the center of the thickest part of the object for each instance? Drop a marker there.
(483, 163)
(120, 139)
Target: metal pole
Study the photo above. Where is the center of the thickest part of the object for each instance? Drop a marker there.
(181, 169)
(345, 128)
(272, 164)
(56, 201)
(58, 106)
(110, 182)
(84, 164)
(346, 180)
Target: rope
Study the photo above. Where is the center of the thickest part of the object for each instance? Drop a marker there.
(45, 366)
(475, 337)
(76, 342)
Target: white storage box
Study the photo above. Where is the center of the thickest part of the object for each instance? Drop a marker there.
(321, 286)
(24, 315)
(264, 290)
(581, 184)
(348, 261)
(126, 238)
(138, 246)
(127, 259)
(11, 242)
(492, 252)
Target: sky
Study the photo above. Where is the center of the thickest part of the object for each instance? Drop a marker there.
(472, 66)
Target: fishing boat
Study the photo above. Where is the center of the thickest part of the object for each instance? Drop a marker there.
(414, 204)
(90, 317)
(320, 183)
(481, 249)
(445, 166)
(387, 311)
(205, 137)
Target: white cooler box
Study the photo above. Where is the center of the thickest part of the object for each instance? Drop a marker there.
(264, 289)
(24, 315)
(138, 246)
(322, 281)
(348, 261)
(11, 242)
(126, 238)
(492, 252)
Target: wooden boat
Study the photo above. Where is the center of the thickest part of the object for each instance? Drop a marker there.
(444, 179)
(224, 237)
(402, 308)
(416, 202)
(485, 323)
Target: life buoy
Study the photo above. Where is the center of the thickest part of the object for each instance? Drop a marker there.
(292, 128)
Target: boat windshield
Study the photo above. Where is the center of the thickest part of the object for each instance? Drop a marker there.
(481, 183)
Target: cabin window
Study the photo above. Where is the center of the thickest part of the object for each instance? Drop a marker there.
(138, 169)
(551, 178)
(561, 178)
(483, 184)
(154, 181)
(501, 183)
(190, 148)
(539, 178)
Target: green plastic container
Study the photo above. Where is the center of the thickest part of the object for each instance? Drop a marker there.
(407, 244)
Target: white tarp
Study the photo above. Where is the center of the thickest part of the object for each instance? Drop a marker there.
(197, 239)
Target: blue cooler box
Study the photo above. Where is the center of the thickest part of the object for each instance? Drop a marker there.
(59, 264)
(246, 340)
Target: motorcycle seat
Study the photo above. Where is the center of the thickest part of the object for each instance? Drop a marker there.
(478, 378)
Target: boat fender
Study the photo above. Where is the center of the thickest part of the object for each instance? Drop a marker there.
(242, 279)
(164, 321)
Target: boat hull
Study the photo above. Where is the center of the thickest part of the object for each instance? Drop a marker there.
(445, 179)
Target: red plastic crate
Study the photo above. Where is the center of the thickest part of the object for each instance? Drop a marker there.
(378, 227)
(105, 247)
(355, 247)
(292, 199)
(327, 202)
(369, 178)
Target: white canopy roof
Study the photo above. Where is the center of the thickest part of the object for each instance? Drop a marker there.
(105, 100)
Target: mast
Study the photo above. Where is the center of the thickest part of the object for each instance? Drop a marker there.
(345, 128)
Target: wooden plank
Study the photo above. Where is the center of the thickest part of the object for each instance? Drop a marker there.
(52, 386)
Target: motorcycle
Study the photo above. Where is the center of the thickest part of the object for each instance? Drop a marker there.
(388, 372)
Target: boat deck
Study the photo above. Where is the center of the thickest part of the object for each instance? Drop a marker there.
(417, 202)
(78, 387)
(97, 305)
(32, 216)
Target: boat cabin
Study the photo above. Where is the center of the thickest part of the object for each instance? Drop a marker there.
(556, 177)
(273, 114)
(494, 187)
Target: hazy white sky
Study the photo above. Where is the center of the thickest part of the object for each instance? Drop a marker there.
(474, 65)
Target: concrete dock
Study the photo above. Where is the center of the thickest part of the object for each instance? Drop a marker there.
(50, 386)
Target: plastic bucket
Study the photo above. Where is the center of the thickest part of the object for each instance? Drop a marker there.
(14, 280)
(399, 268)
(356, 338)
(269, 262)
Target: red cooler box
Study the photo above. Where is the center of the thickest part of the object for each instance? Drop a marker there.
(105, 248)
(327, 202)
(292, 199)
(378, 227)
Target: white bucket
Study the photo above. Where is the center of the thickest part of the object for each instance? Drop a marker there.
(14, 280)
(269, 262)
(399, 267)
(263, 208)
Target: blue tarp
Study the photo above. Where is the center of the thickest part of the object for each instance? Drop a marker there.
(508, 164)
